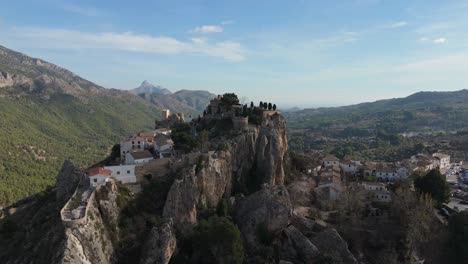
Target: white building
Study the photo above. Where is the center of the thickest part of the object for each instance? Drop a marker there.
(386, 174)
(138, 157)
(98, 176)
(403, 172)
(163, 146)
(350, 167)
(377, 191)
(124, 174)
(374, 186)
(132, 144)
(330, 161)
(382, 196)
(441, 160)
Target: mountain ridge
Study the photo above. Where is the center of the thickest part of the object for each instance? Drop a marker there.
(149, 88)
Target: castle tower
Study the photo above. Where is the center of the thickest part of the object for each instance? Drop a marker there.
(165, 114)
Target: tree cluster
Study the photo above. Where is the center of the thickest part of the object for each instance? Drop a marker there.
(266, 106)
(434, 184)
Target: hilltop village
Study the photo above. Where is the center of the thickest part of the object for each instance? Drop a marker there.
(228, 172)
(151, 153)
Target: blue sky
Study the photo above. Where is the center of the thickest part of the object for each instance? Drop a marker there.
(304, 53)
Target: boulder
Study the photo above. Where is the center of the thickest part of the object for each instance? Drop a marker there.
(296, 247)
(330, 242)
(307, 226)
(269, 208)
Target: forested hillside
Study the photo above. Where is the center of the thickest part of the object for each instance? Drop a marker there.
(387, 129)
(48, 114)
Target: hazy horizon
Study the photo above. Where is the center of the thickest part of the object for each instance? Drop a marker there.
(300, 53)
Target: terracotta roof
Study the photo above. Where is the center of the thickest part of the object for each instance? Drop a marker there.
(331, 158)
(146, 134)
(98, 171)
(141, 154)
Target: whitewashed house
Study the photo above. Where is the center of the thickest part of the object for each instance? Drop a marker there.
(374, 186)
(123, 173)
(382, 196)
(403, 172)
(441, 160)
(386, 174)
(349, 167)
(330, 161)
(377, 191)
(138, 157)
(163, 146)
(132, 144)
(98, 176)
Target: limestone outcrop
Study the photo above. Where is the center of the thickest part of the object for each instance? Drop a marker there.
(268, 209)
(202, 185)
(259, 154)
(160, 245)
(88, 243)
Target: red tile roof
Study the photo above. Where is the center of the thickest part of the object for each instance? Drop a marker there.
(98, 171)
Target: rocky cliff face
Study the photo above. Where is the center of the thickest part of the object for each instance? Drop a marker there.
(259, 154)
(160, 245)
(94, 241)
(268, 209)
(201, 185)
(254, 157)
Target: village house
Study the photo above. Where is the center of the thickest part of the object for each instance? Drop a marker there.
(377, 191)
(138, 157)
(385, 173)
(132, 144)
(330, 161)
(367, 168)
(442, 161)
(163, 146)
(124, 174)
(382, 196)
(349, 167)
(329, 182)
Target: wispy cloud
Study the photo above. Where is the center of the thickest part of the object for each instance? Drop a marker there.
(208, 29)
(399, 24)
(439, 40)
(81, 10)
(227, 22)
(128, 41)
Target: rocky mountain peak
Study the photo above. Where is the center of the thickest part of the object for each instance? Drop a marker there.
(148, 88)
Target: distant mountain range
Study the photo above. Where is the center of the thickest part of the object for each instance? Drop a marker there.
(183, 101)
(422, 110)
